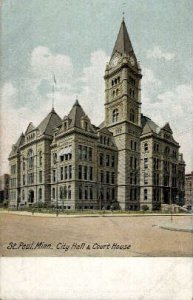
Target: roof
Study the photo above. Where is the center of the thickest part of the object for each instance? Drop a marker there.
(149, 126)
(167, 127)
(49, 123)
(17, 144)
(30, 128)
(123, 43)
(76, 114)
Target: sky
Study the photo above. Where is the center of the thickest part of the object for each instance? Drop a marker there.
(74, 40)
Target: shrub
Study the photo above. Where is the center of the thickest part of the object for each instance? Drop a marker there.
(145, 207)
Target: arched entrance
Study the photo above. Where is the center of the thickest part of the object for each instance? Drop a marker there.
(31, 196)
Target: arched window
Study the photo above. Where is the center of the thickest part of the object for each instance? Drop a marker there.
(30, 158)
(146, 147)
(115, 80)
(115, 115)
(40, 194)
(112, 82)
(118, 79)
(40, 158)
(132, 115)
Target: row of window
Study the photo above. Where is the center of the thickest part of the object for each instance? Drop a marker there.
(133, 163)
(64, 192)
(106, 160)
(133, 194)
(131, 80)
(115, 81)
(12, 195)
(105, 140)
(13, 169)
(85, 172)
(13, 182)
(115, 115)
(107, 177)
(85, 153)
(133, 178)
(133, 145)
(156, 148)
(107, 194)
(65, 173)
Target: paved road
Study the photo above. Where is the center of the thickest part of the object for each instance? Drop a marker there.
(93, 236)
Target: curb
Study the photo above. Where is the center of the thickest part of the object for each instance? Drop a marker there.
(190, 230)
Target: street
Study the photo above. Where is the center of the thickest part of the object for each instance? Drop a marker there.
(93, 236)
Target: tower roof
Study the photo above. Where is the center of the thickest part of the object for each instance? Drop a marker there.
(123, 43)
(51, 121)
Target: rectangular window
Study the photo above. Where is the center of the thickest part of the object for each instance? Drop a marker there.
(102, 176)
(85, 172)
(86, 193)
(66, 172)
(70, 172)
(91, 173)
(101, 159)
(107, 161)
(90, 154)
(80, 152)
(145, 162)
(84, 152)
(107, 177)
(40, 176)
(79, 172)
(61, 173)
(113, 177)
(53, 193)
(131, 162)
(23, 179)
(112, 161)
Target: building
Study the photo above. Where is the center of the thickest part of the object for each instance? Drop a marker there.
(4, 188)
(126, 162)
(189, 190)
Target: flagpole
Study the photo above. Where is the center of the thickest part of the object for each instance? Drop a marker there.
(53, 90)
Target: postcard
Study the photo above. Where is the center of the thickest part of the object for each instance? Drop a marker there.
(96, 198)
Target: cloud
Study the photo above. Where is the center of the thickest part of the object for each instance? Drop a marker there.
(44, 64)
(157, 53)
(176, 107)
(14, 119)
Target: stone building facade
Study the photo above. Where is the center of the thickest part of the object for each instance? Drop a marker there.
(126, 162)
(4, 188)
(189, 190)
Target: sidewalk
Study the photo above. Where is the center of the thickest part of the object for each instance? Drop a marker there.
(53, 215)
(177, 227)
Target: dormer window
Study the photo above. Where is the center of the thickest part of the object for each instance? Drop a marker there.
(86, 126)
(115, 115)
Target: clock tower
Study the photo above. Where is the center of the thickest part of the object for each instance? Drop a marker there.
(123, 116)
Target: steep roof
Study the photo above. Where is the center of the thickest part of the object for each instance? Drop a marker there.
(30, 128)
(76, 114)
(149, 126)
(49, 123)
(17, 144)
(167, 127)
(123, 43)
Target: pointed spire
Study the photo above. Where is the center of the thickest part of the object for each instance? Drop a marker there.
(123, 43)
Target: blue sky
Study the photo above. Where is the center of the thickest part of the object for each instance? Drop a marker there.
(74, 39)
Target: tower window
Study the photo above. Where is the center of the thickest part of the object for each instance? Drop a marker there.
(146, 147)
(115, 115)
(132, 115)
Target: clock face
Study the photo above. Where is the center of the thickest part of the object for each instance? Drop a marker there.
(132, 60)
(114, 61)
